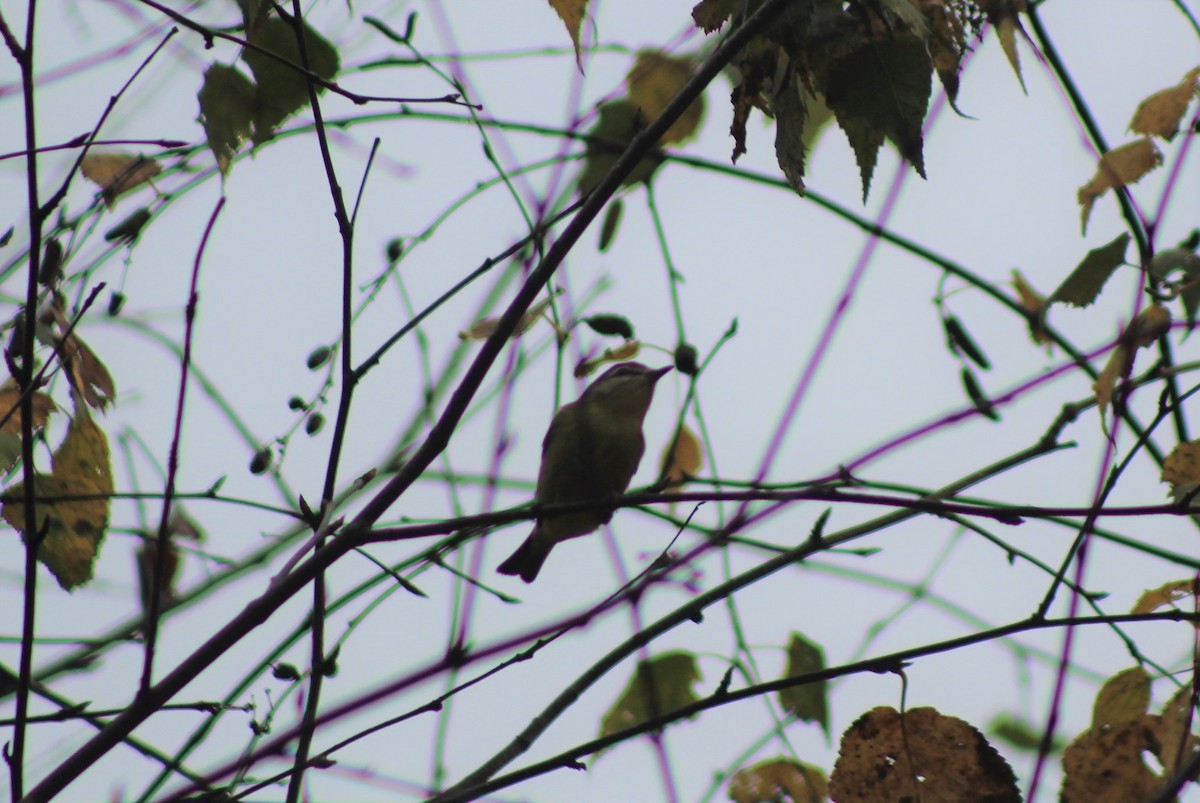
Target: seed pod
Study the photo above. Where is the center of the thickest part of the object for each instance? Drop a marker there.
(961, 343)
(978, 398)
(610, 325)
(685, 359)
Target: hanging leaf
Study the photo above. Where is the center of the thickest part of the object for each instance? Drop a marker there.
(118, 173)
(1160, 114)
(281, 89)
(654, 81)
(626, 351)
(10, 416)
(571, 13)
(227, 102)
(616, 125)
(710, 15)
(1035, 304)
(919, 755)
(610, 325)
(483, 329)
(86, 373)
(659, 686)
(1087, 280)
(809, 702)
(684, 461)
(1123, 698)
(74, 527)
(1117, 168)
(612, 221)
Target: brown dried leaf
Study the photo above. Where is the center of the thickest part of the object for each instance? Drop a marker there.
(1118, 167)
(922, 755)
(1106, 766)
(1120, 363)
(1150, 323)
(10, 409)
(1159, 115)
(710, 15)
(118, 173)
(1176, 743)
(1034, 303)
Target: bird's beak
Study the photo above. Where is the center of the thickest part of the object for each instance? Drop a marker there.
(661, 372)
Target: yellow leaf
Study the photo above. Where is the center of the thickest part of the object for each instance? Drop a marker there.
(1182, 470)
(1168, 594)
(1119, 364)
(684, 461)
(654, 81)
(74, 528)
(769, 781)
(1123, 698)
(1034, 303)
(1150, 323)
(1007, 26)
(658, 686)
(1159, 114)
(1118, 167)
(84, 370)
(482, 330)
(10, 409)
(920, 755)
(571, 13)
(118, 173)
(626, 351)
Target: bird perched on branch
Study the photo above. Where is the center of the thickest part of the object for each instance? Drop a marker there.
(590, 453)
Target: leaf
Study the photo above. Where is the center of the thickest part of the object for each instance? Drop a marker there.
(654, 81)
(483, 329)
(617, 124)
(1170, 593)
(809, 702)
(626, 351)
(1151, 323)
(758, 64)
(118, 173)
(1022, 734)
(658, 686)
(1085, 282)
(1175, 741)
(282, 90)
(790, 108)
(86, 373)
(1119, 364)
(227, 101)
(920, 755)
(769, 781)
(1117, 168)
(610, 325)
(684, 461)
(1033, 303)
(10, 414)
(1003, 15)
(612, 221)
(1106, 766)
(879, 88)
(147, 560)
(571, 12)
(947, 44)
(1160, 114)
(959, 341)
(977, 395)
(74, 528)
(128, 229)
(1123, 698)
(710, 15)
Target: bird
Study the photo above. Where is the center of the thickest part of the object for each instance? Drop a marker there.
(590, 453)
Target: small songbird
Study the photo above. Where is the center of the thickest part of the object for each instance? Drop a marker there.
(590, 453)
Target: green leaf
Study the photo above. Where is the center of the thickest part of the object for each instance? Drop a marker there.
(282, 89)
(1085, 282)
(809, 702)
(617, 124)
(790, 109)
(658, 686)
(1123, 698)
(612, 221)
(226, 110)
(880, 89)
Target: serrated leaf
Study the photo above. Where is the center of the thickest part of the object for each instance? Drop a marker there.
(1123, 698)
(227, 101)
(809, 702)
(879, 88)
(118, 173)
(282, 90)
(1087, 280)
(1173, 592)
(1160, 114)
(790, 108)
(1003, 15)
(1117, 168)
(654, 81)
(658, 686)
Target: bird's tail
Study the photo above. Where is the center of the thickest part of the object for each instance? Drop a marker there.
(527, 561)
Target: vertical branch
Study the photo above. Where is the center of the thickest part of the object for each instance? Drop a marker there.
(23, 373)
(154, 598)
